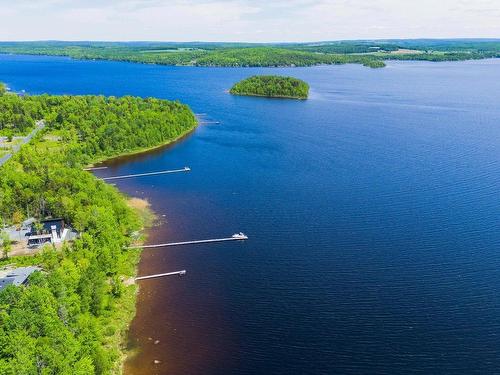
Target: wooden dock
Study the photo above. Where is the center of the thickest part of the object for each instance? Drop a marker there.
(180, 273)
(236, 237)
(185, 169)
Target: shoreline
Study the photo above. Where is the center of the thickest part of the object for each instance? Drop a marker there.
(142, 208)
(389, 57)
(270, 97)
(102, 286)
(148, 217)
(145, 150)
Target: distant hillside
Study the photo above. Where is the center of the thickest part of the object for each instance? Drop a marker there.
(370, 53)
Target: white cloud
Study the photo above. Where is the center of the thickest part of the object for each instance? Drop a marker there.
(246, 20)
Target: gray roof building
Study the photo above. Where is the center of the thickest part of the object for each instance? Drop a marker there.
(16, 276)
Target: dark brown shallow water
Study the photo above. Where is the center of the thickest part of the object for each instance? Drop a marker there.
(163, 339)
(155, 330)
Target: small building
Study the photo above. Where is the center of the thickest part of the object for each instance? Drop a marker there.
(17, 276)
(53, 231)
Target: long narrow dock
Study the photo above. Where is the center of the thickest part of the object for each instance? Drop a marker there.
(201, 117)
(235, 237)
(180, 273)
(185, 169)
(94, 168)
(209, 122)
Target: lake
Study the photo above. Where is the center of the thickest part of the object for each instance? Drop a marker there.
(372, 208)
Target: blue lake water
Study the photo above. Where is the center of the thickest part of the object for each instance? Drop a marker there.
(372, 208)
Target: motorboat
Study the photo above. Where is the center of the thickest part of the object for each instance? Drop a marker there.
(240, 236)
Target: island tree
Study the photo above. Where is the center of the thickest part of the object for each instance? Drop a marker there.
(272, 86)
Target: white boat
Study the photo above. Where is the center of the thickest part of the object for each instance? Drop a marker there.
(240, 236)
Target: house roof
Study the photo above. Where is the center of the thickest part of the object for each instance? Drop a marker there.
(56, 220)
(49, 223)
(16, 276)
(6, 281)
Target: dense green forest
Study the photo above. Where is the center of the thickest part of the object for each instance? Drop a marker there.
(230, 57)
(272, 86)
(370, 53)
(18, 116)
(72, 317)
(100, 126)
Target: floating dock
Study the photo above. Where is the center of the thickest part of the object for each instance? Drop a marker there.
(185, 169)
(234, 237)
(180, 273)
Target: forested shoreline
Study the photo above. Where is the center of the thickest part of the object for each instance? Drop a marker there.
(369, 53)
(72, 317)
(233, 57)
(272, 86)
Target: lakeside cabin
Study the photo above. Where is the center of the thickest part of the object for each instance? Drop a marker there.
(17, 276)
(53, 231)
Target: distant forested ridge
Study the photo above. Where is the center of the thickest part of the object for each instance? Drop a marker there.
(229, 57)
(371, 53)
(272, 86)
(72, 317)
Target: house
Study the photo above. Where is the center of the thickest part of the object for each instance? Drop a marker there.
(53, 231)
(17, 276)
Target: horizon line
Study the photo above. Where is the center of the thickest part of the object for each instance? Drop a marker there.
(255, 43)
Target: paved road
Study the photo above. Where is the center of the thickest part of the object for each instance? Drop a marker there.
(39, 126)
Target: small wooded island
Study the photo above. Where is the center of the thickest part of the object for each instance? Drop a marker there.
(272, 87)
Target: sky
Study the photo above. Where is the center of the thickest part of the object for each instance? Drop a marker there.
(247, 20)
